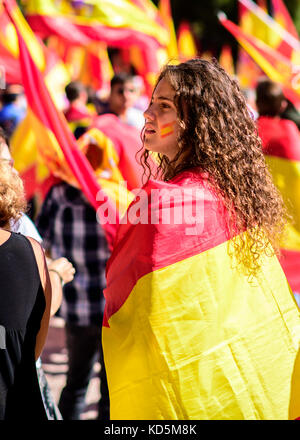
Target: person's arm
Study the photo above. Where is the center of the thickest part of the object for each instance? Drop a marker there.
(61, 271)
(46, 284)
(45, 226)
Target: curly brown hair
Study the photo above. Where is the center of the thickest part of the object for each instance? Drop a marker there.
(12, 196)
(219, 136)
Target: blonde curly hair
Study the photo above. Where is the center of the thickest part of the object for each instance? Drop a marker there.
(12, 196)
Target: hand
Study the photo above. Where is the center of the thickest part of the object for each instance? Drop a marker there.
(65, 269)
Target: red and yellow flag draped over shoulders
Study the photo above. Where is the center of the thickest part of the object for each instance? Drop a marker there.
(186, 335)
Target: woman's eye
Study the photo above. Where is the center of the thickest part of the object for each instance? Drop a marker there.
(164, 105)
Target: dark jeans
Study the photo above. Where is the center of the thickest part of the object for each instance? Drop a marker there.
(84, 349)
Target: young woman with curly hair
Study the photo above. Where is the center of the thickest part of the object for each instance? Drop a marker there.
(25, 303)
(200, 322)
(217, 135)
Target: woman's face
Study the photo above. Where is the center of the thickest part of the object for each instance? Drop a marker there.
(161, 126)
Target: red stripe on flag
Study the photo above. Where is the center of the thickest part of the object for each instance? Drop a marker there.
(44, 26)
(29, 181)
(119, 37)
(290, 263)
(280, 138)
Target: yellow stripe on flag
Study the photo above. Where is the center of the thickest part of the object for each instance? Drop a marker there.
(23, 147)
(186, 43)
(286, 176)
(165, 11)
(193, 345)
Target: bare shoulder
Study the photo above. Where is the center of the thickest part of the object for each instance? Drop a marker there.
(40, 259)
(37, 248)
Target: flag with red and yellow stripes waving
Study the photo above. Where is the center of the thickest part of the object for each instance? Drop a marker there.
(56, 143)
(281, 146)
(186, 334)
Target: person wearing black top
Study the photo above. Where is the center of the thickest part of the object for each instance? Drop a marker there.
(25, 301)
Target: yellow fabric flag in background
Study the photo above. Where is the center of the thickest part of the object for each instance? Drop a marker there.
(164, 8)
(187, 48)
(226, 60)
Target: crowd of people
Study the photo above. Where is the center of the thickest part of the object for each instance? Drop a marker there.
(200, 325)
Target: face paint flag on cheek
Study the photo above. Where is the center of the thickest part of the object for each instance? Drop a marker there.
(167, 129)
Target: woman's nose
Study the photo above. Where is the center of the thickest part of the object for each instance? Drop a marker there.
(148, 114)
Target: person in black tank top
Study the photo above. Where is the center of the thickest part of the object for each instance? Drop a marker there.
(25, 298)
(21, 311)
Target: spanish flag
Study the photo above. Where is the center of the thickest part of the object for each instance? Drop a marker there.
(282, 17)
(138, 55)
(276, 66)
(281, 146)
(186, 334)
(96, 69)
(149, 8)
(46, 60)
(119, 24)
(165, 11)
(23, 146)
(97, 19)
(57, 144)
(10, 72)
(247, 69)
(270, 31)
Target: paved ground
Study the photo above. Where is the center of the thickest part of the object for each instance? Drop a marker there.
(54, 359)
